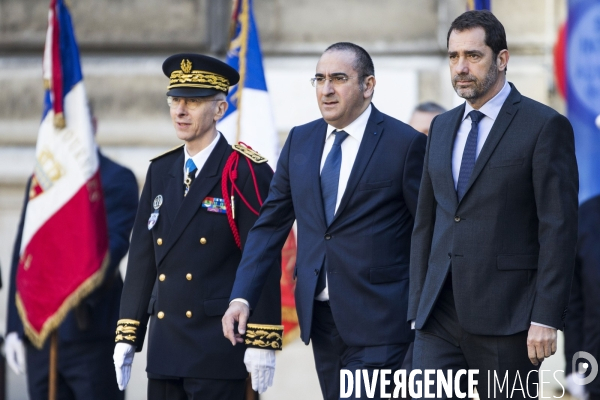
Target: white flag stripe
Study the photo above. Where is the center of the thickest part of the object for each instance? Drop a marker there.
(74, 149)
(257, 125)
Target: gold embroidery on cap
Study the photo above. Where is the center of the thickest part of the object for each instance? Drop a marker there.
(186, 66)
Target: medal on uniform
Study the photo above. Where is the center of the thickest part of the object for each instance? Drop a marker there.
(158, 200)
(214, 204)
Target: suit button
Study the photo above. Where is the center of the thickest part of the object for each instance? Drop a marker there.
(316, 272)
(327, 236)
(160, 315)
(162, 277)
(188, 277)
(202, 241)
(188, 314)
(159, 241)
(457, 219)
(449, 255)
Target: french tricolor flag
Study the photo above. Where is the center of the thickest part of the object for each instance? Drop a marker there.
(64, 248)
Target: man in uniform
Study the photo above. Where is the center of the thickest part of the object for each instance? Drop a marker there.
(86, 334)
(198, 203)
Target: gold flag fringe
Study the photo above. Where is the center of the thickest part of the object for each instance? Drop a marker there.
(59, 121)
(52, 323)
(289, 314)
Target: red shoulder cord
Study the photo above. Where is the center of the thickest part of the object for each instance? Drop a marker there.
(230, 174)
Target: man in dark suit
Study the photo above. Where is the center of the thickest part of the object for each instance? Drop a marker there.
(198, 203)
(493, 247)
(86, 334)
(582, 323)
(350, 180)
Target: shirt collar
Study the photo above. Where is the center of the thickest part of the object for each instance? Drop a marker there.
(202, 156)
(356, 129)
(492, 108)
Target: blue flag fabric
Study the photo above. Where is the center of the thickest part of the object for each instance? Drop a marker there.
(583, 90)
(479, 5)
(249, 117)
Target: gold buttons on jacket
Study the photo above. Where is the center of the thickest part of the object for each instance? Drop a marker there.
(188, 277)
(159, 241)
(188, 314)
(202, 240)
(162, 277)
(160, 315)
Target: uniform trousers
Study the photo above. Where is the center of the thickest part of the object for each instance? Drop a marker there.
(196, 389)
(86, 371)
(442, 344)
(332, 354)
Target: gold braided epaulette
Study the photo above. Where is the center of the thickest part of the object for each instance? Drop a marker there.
(248, 152)
(126, 331)
(264, 336)
(167, 152)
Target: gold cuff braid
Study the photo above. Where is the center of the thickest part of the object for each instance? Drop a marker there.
(126, 331)
(264, 336)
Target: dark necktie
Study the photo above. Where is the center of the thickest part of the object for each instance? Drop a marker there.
(190, 168)
(469, 154)
(330, 177)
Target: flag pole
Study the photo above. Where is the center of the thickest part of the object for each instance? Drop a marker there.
(53, 368)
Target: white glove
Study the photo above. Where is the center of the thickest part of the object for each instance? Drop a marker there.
(577, 391)
(261, 365)
(15, 353)
(123, 358)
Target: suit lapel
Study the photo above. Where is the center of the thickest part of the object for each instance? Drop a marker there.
(448, 145)
(206, 180)
(315, 151)
(505, 117)
(371, 137)
(174, 188)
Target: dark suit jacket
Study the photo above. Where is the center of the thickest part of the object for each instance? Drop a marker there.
(182, 346)
(367, 244)
(582, 324)
(511, 240)
(96, 316)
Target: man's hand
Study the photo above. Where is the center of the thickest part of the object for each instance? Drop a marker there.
(260, 363)
(123, 358)
(541, 343)
(15, 353)
(237, 312)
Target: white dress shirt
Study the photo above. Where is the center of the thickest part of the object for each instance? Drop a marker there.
(200, 158)
(350, 146)
(491, 109)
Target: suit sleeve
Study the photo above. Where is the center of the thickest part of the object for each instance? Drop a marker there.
(556, 186)
(413, 170)
(121, 198)
(121, 203)
(422, 235)
(268, 307)
(141, 269)
(266, 239)
(14, 324)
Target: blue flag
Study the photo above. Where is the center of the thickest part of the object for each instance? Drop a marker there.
(479, 5)
(583, 91)
(249, 117)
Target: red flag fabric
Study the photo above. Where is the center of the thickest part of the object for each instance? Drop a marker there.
(64, 250)
(289, 318)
